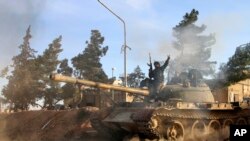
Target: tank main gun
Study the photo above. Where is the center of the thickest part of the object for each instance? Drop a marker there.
(68, 79)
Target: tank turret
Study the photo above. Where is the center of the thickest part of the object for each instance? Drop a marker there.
(199, 93)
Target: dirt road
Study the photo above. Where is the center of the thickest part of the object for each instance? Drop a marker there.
(66, 125)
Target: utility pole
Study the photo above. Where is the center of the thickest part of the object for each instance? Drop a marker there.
(125, 44)
(113, 93)
(113, 69)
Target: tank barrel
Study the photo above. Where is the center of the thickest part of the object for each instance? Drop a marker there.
(68, 79)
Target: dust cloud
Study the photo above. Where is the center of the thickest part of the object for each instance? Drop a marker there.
(159, 43)
(230, 26)
(50, 125)
(151, 37)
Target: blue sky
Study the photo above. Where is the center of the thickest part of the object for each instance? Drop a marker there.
(149, 27)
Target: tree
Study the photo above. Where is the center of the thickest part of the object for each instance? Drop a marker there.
(135, 77)
(68, 89)
(48, 64)
(87, 64)
(195, 48)
(238, 66)
(3, 100)
(64, 68)
(4, 72)
(22, 87)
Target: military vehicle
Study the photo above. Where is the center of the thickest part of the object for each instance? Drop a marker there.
(182, 111)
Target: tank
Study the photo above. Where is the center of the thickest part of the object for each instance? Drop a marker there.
(183, 111)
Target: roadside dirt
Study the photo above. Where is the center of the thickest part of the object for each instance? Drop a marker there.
(66, 125)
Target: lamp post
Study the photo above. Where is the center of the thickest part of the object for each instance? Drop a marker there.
(125, 44)
(113, 93)
(113, 69)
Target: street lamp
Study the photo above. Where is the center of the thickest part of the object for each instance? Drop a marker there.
(124, 46)
(113, 69)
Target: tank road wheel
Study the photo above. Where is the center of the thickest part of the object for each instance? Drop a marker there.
(153, 123)
(226, 128)
(174, 132)
(214, 128)
(241, 121)
(198, 129)
(131, 137)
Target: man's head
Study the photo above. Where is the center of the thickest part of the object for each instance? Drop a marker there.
(157, 64)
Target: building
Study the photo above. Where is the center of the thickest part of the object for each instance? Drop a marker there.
(234, 93)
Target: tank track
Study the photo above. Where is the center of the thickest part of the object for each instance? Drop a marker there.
(142, 120)
(104, 130)
(96, 122)
(143, 117)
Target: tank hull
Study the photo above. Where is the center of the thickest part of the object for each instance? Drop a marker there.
(165, 123)
(180, 112)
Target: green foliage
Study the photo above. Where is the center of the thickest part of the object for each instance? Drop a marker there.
(135, 77)
(3, 100)
(188, 19)
(28, 81)
(22, 87)
(48, 63)
(4, 72)
(87, 64)
(238, 66)
(49, 60)
(68, 90)
(64, 68)
(194, 47)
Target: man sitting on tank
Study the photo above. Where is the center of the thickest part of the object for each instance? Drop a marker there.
(195, 77)
(179, 78)
(157, 77)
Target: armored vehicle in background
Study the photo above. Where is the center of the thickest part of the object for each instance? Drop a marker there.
(182, 111)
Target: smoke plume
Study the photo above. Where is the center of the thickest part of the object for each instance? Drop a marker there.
(15, 17)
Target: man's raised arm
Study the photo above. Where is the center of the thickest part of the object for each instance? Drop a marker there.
(166, 63)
